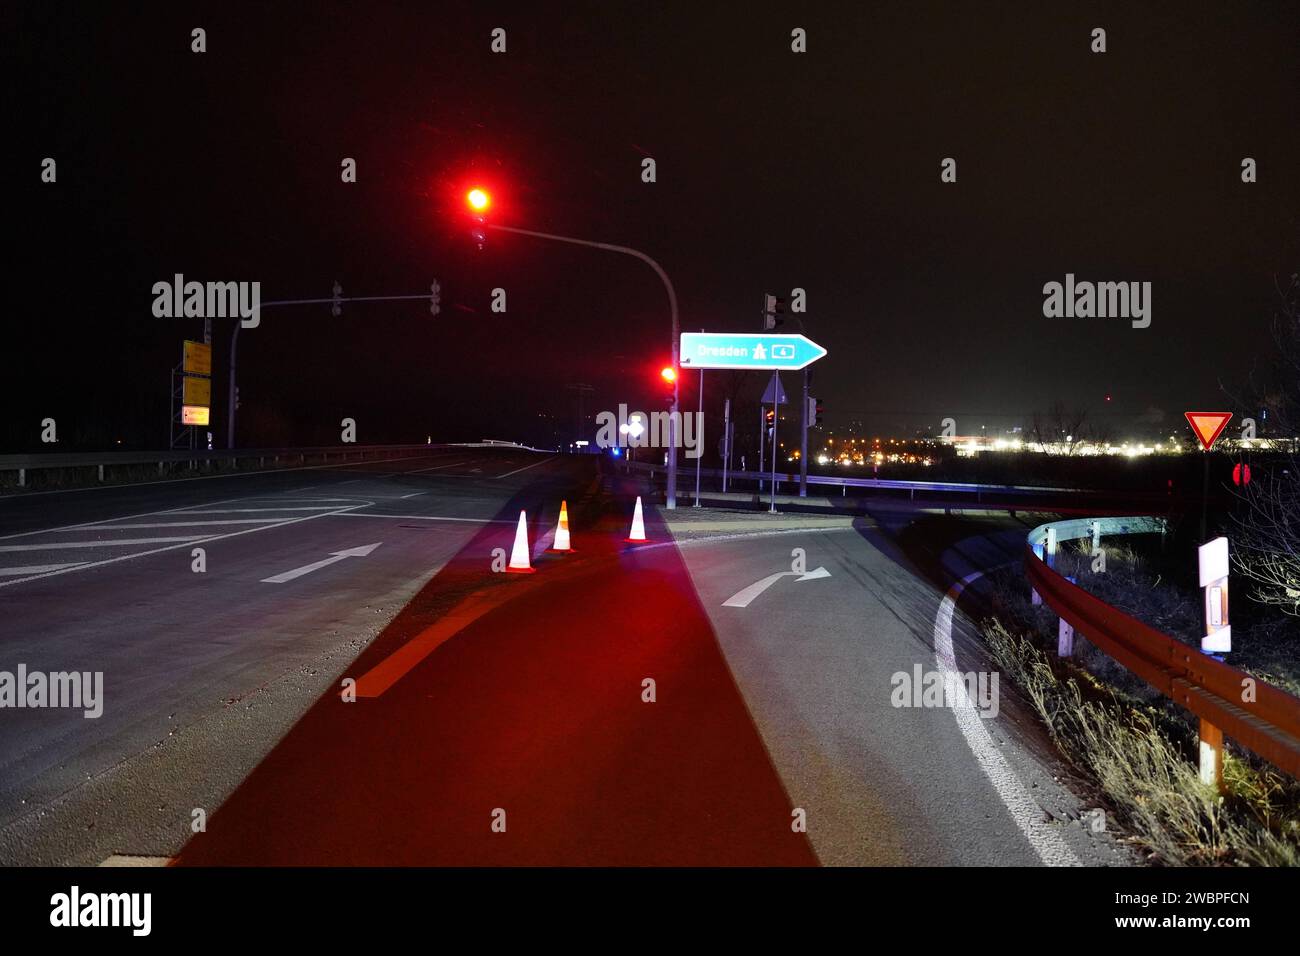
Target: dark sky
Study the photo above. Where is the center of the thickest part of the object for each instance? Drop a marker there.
(775, 170)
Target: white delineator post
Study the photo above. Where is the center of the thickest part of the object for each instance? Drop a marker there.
(1212, 562)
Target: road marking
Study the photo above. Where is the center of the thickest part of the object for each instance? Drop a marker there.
(186, 524)
(398, 664)
(525, 468)
(1027, 814)
(376, 514)
(360, 552)
(232, 511)
(420, 471)
(173, 547)
(414, 494)
(37, 569)
(58, 545)
(743, 597)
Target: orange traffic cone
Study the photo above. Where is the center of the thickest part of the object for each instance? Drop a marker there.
(638, 524)
(519, 554)
(562, 532)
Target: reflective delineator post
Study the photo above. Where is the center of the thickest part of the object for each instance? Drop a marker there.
(637, 535)
(519, 554)
(562, 532)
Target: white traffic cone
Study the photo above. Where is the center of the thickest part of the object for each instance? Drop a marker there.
(519, 554)
(638, 524)
(562, 532)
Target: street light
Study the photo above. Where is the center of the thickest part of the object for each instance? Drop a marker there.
(673, 416)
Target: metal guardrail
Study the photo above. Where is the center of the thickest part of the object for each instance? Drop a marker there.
(109, 459)
(844, 483)
(1260, 717)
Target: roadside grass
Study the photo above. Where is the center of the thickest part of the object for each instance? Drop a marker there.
(1138, 746)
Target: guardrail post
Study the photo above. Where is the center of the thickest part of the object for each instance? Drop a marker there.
(1096, 537)
(101, 472)
(22, 477)
(1211, 754)
(1050, 548)
(1065, 639)
(160, 469)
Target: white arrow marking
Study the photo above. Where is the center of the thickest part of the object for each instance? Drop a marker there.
(360, 552)
(743, 597)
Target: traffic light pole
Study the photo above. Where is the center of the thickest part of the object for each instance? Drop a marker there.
(674, 416)
(234, 340)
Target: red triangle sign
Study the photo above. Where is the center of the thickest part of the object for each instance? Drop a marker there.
(1208, 426)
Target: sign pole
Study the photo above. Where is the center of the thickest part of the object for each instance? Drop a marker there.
(803, 440)
(762, 447)
(776, 425)
(726, 442)
(699, 438)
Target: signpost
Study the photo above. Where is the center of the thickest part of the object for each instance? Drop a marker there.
(1208, 426)
(748, 350)
(193, 393)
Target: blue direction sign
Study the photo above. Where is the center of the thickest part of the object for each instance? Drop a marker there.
(748, 350)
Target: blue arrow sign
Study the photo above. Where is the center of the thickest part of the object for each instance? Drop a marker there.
(746, 350)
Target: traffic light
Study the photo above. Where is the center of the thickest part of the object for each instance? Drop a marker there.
(336, 309)
(770, 418)
(669, 376)
(435, 297)
(820, 410)
(478, 201)
(773, 306)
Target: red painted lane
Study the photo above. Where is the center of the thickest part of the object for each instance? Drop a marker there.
(534, 707)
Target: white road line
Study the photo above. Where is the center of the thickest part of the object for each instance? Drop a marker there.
(232, 511)
(420, 471)
(525, 468)
(358, 514)
(36, 569)
(101, 521)
(1027, 814)
(185, 524)
(57, 545)
(170, 547)
(414, 494)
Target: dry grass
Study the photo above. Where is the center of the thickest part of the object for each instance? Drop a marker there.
(1148, 775)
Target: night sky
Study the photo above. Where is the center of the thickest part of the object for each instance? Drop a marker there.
(775, 170)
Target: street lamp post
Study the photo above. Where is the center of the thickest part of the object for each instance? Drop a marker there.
(673, 417)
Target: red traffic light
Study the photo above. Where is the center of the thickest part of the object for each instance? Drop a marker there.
(478, 200)
(1241, 474)
(669, 374)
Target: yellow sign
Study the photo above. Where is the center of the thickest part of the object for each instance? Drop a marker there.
(197, 391)
(195, 414)
(198, 358)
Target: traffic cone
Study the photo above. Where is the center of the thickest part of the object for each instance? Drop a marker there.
(637, 535)
(562, 532)
(519, 555)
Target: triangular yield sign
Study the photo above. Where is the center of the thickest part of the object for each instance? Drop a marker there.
(1208, 426)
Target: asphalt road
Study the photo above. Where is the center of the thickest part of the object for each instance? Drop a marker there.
(204, 670)
(350, 682)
